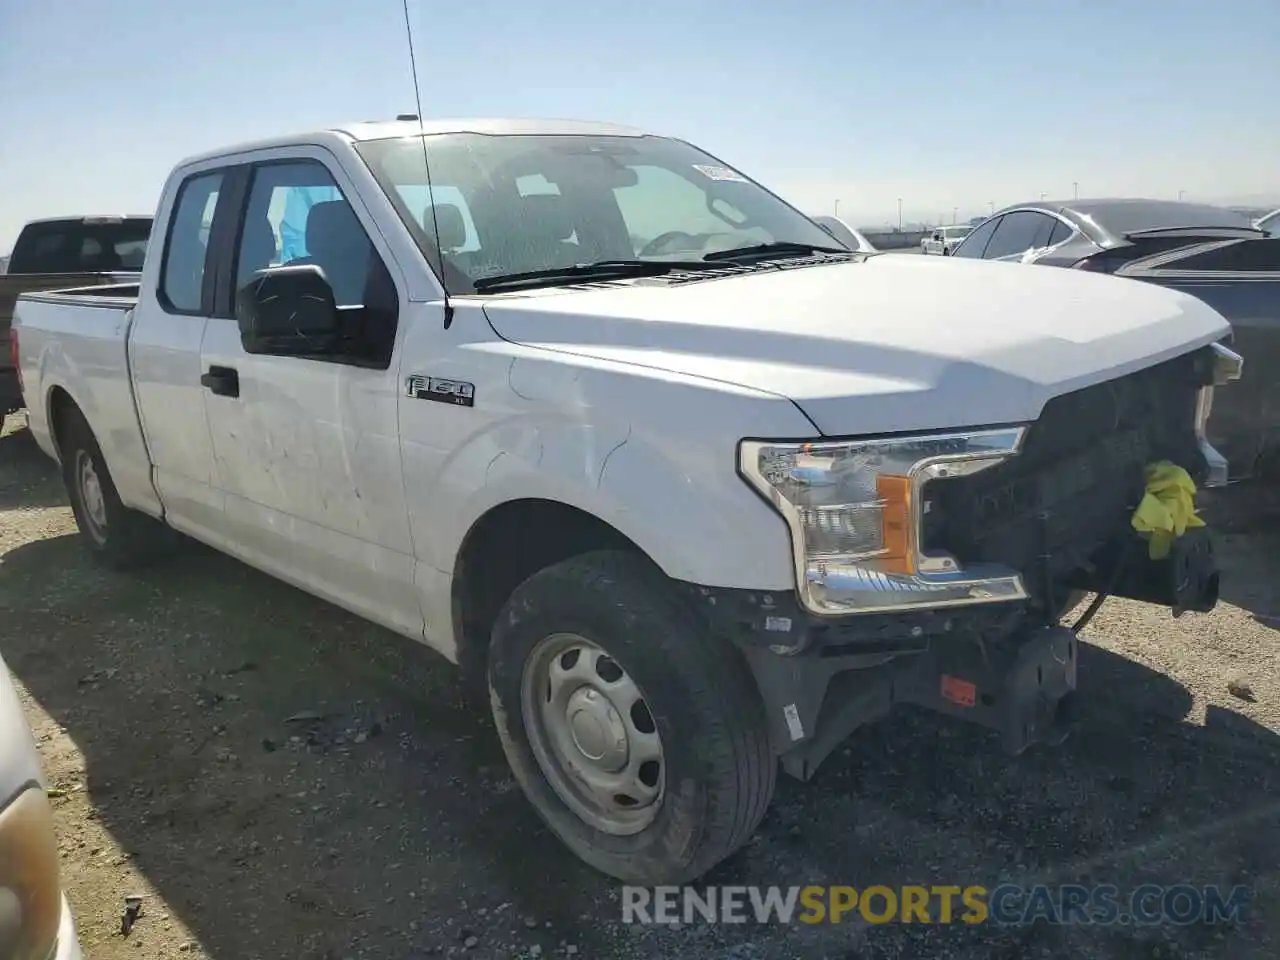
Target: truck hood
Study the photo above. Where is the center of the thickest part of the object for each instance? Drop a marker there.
(887, 344)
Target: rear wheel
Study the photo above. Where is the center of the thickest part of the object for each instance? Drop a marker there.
(638, 737)
(116, 535)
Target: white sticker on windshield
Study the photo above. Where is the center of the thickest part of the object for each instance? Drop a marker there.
(712, 172)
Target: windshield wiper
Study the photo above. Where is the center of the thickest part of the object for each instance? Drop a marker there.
(777, 247)
(598, 270)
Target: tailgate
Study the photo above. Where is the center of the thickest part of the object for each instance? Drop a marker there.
(1241, 280)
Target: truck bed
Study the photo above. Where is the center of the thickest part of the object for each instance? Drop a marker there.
(77, 339)
(84, 286)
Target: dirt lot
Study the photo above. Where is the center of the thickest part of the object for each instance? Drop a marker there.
(388, 827)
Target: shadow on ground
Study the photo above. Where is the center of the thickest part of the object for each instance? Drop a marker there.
(30, 479)
(382, 822)
(1246, 519)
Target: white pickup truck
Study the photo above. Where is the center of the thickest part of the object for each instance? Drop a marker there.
(693, 487)
(943, 240)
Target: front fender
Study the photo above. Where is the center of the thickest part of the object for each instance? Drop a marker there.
(698, 524)
(652, 457)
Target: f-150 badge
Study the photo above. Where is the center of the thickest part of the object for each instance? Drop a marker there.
(458, 392)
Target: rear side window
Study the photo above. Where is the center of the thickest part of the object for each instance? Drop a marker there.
(1060, 232)
(186, 248)
(107, 244)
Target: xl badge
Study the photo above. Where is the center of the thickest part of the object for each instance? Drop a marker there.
(458, 392)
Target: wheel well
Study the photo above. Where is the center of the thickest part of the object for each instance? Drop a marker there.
(60, 405)
(504, 548)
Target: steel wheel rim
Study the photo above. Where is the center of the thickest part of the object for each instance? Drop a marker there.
(91, 496)
(593, 734)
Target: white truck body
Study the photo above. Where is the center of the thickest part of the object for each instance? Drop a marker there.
(620, 400)
(944, 239)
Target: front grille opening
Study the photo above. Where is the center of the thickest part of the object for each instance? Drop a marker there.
(1078, 479)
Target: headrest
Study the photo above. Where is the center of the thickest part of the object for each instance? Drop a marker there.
(332, 228)
(448, 220)
(546, 215)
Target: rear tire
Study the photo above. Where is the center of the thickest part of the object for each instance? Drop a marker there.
(116, 535)
(596, 664)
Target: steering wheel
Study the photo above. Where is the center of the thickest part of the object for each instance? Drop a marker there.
(662, 239)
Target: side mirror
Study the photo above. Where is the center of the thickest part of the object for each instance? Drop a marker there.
(288, 311)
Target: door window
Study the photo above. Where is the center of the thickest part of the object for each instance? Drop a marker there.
(1044, 232)
(296, 214)
(1015, 234)
(186, 248)
(975, 244)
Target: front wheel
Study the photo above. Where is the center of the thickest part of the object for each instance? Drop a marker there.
(638, 737)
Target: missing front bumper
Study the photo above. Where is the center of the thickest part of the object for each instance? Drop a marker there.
(1022, 691)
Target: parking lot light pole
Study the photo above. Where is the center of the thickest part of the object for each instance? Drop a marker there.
(899, 214)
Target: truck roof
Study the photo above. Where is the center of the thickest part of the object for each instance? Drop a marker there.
(89, 218)
(390, 129)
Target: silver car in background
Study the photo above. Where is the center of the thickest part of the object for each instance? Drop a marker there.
(1216, 254)
(35, 922)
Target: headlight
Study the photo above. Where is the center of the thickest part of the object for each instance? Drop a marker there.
(30, 895)
(854, 509)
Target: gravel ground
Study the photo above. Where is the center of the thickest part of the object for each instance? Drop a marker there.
(279, 779)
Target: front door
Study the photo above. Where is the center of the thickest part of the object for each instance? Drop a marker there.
(307, 450)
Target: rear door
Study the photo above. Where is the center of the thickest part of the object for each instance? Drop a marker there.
(164, 353)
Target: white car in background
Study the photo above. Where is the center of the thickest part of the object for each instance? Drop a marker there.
(943, 240)
(35, 922)
(849, 236)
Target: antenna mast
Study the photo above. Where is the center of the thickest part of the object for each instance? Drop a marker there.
(426, 163)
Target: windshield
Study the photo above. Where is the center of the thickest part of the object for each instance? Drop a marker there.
(508, 205)
(955, 233)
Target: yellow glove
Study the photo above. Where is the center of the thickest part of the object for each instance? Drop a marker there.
(1168, 507)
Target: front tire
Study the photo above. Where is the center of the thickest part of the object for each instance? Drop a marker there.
(116, 535)
(638, 737)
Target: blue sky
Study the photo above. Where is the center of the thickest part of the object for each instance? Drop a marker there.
(945, 104)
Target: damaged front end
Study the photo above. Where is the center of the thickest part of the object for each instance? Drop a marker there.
(935, 570)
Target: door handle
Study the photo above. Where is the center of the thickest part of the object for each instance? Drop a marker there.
(223, 381)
